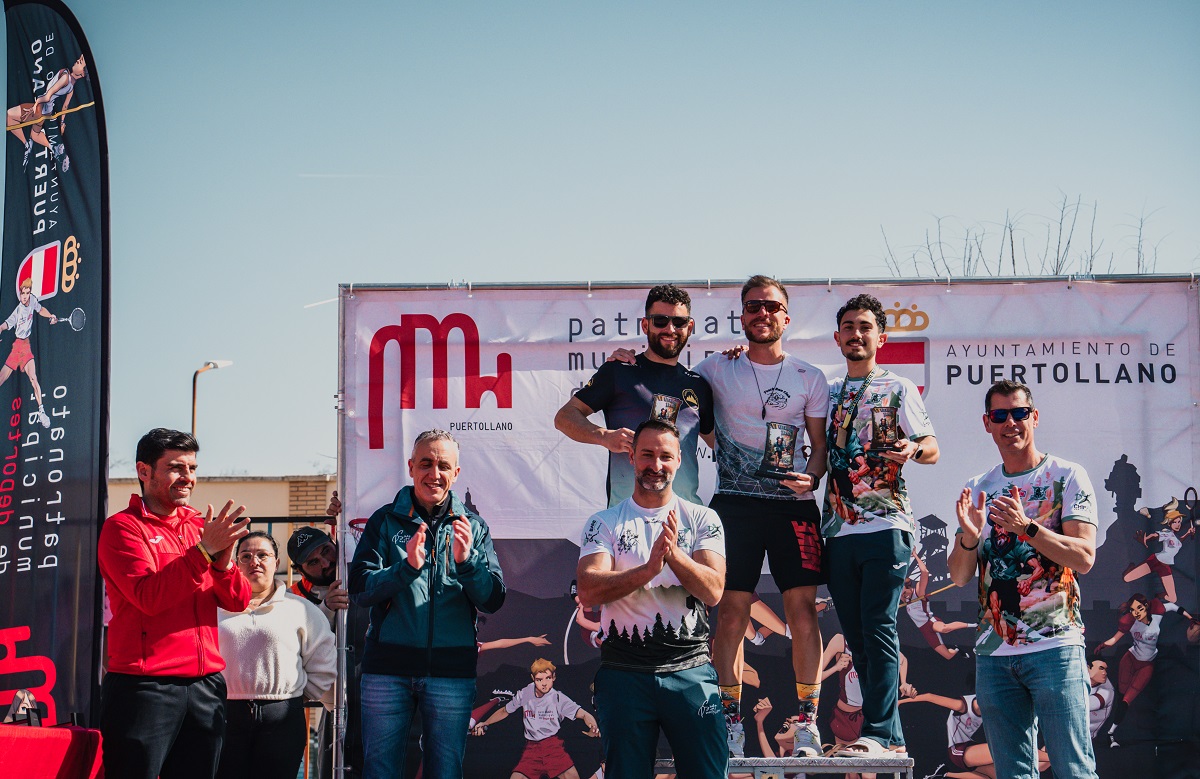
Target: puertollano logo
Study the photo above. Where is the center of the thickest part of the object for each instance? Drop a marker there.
(405, 336)
(907, 355)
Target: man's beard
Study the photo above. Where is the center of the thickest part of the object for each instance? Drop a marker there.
(653, 481)
(665, 352)
(325, 579)
(770, 338)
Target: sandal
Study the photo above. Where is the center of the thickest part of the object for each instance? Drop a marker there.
(863, 747)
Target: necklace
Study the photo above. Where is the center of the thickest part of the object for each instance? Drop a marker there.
(754, 373)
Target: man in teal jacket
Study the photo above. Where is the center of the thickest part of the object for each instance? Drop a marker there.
(425, 567)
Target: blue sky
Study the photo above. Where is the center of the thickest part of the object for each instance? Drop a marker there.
(263, 152)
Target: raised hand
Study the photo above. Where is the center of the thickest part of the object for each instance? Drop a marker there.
(221, 532)
(463, 540)
(971, 516)
(415, 548)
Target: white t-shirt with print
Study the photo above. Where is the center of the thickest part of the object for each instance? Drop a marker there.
(660, 627)
(542, 715)
(792, 391)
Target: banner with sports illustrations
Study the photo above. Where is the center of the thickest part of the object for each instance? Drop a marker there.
(53, 383)
(1114, 368)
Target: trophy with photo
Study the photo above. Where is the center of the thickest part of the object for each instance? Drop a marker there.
(665, 408)
(779, 454)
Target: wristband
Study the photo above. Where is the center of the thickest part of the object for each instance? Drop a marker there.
(204, 552)
(965, 547)
(816, 481)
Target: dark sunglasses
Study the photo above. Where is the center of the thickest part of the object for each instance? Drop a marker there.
(1000, 415)
(661, 320)
(771, 306)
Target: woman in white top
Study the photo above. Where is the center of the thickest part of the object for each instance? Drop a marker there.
(278, 652)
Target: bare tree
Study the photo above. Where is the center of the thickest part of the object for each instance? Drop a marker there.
(972, 252)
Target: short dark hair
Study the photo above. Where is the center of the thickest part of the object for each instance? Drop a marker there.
(759, 280)
(257, 534)
(162, 439)
(668, 293)
(1006, 387)
(655, 424)
(864, 302)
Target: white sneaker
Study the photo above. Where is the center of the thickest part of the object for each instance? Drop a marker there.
(736, 736)
(808, 740)
(43, 419)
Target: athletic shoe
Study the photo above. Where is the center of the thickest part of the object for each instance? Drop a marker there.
(502, 696)
(43, 419)
(28, 151)
(808, 740)
(736, 737)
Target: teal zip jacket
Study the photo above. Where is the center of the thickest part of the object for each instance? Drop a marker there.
(423, 621)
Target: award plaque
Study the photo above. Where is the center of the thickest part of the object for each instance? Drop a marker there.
(665, 408)
(779, 456)
(884, 432)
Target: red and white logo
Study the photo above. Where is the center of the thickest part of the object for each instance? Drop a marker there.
(41, 267)
(907, 357)
(404, 336)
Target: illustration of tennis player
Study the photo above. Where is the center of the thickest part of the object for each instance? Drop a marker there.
(1171, 536)
(34, 115)
(545, 708)
(20, 321)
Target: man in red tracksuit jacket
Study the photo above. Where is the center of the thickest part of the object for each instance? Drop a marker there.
(167, 568)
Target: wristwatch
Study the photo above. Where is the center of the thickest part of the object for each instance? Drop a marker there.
(1032, 529)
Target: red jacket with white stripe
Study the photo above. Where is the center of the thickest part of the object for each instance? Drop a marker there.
(163, 593)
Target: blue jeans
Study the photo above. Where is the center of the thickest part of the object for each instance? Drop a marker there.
(866, 576)
(1018, 692)
(388, 705)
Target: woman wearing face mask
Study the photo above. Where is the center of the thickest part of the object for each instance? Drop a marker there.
(278, 652)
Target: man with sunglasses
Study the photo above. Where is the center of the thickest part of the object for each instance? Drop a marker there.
(626, 393)
(1028, 524)
(764, 516)
(877, 424)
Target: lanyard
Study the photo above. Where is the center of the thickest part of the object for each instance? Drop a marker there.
(848, 418)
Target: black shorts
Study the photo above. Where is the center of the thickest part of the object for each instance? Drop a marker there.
(788, 532)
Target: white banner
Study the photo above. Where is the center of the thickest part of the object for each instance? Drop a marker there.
(1113, 368)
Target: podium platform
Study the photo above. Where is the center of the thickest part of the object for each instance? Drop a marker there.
(776, 767)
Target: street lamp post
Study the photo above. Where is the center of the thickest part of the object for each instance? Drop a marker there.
(210, 365)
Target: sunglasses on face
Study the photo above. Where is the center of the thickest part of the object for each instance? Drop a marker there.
(770, 306)
(1000, 415)
(661, 320)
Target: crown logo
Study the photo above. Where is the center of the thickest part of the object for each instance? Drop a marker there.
(906, 319)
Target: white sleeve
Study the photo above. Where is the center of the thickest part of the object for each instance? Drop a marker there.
(596, 537)
(318, 654)
(914, 419)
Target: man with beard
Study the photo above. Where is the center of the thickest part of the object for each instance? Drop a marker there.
(654, 384)
(314, 555)
(877, 423)
(767, 517)
(654, 563)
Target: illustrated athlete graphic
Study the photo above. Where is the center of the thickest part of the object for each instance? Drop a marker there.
(34, 115)
(1141, 618)
(915, 600)
(1101, 696)
(847, 721)
(1171, 538)
(545, 709)
(966, 751)
(20, 358)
